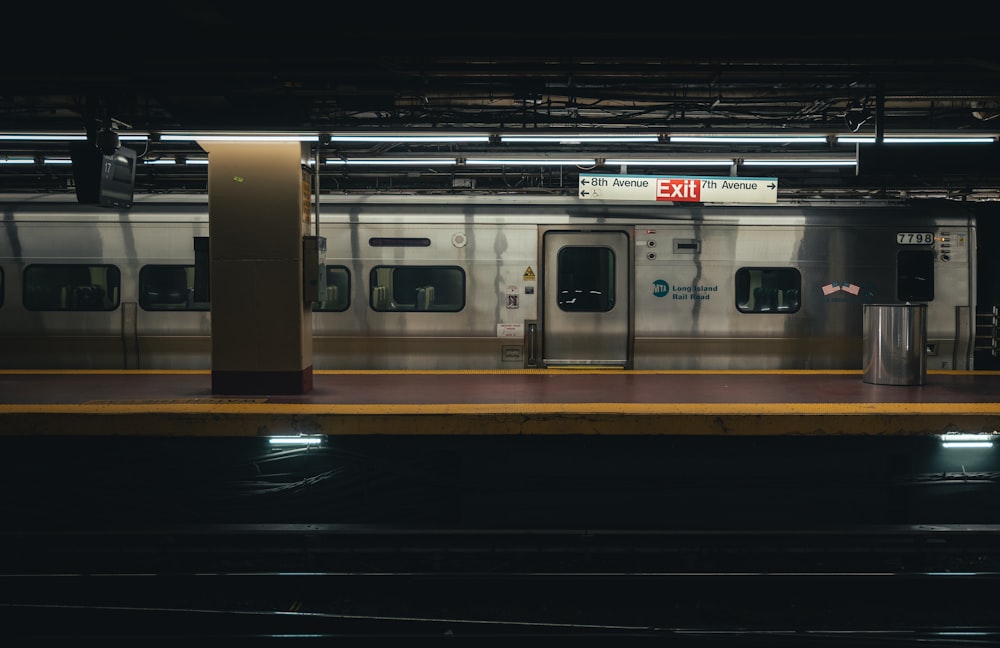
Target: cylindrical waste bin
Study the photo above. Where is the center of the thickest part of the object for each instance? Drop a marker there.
(895, 344)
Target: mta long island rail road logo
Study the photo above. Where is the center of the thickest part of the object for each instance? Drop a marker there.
(662, 289)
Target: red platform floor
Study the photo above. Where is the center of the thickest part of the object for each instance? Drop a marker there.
(519, 402)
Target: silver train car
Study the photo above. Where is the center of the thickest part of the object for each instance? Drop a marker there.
(418, 282)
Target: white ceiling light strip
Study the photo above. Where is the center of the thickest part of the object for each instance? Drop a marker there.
(670, 162)
(910, 139)
(581, 138)
(801, 162)
(409, 138)
(742, 138)
(238, 137)
(531, 161)
(390, 161)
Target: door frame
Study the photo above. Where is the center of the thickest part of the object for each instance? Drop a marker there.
(626, 265)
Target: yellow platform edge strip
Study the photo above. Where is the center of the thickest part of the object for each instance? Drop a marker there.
(563, 370)
(238, 407)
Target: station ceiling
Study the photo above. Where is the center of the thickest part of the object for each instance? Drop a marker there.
(251, 73)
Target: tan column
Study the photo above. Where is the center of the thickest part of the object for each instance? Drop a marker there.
(258, 202)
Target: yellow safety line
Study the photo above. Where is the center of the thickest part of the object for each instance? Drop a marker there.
(601, 371)
(247, 407)
(103, 372)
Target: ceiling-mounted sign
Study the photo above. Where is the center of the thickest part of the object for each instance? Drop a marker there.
(678, 188)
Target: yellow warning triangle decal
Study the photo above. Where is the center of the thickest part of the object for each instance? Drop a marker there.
(529, 274)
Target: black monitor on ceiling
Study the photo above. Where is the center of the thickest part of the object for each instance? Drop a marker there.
(105, 179)
(118, 178)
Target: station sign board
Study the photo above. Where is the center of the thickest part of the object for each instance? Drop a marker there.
(726, 189)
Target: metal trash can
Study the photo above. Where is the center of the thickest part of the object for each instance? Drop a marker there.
(895, 344)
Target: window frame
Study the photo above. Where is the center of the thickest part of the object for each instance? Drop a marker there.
(394, 306)
(325, 284)
(189, 305)
(745, 291)
(113, 276)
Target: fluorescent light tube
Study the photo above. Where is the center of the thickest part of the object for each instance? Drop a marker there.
(966, 444)
(407, 161)
(967, 440)
(749, 139)
(408, 138)
(803, 162)
(967, 436)
(531, 161)
(680, 162)
(41, 137)
(888, 139)
(296, 440)
(237, 137)
(580, 138)
(65, 137)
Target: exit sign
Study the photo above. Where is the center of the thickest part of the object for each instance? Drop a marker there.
(678, 188)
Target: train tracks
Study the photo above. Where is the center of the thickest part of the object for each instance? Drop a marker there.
(380, 584)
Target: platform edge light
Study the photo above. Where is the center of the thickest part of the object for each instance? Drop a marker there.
(296, 440)
(980, 440)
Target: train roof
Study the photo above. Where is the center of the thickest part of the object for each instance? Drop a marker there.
(496, 208)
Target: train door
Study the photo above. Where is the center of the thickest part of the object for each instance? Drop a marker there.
(586, 316)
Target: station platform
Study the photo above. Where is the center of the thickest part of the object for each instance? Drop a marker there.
(510, 402)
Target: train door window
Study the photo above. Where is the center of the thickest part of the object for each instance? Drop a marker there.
(168, 287)
(768, 290)
(71, 287)
(915, 275)
(418, 288)
(586, 279)
(334, 289)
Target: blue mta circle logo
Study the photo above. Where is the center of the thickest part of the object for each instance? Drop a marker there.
(660, 288)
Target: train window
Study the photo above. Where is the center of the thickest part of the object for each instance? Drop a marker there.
(334, 289)
(71, 287)
(418, 288)
(768, 290)
(915, 276)
(586, 279)
(1, 286)
(168, 287)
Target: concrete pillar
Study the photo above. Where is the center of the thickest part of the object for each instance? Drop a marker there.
(259, 211)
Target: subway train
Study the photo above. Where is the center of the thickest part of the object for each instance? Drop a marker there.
(501, 282)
